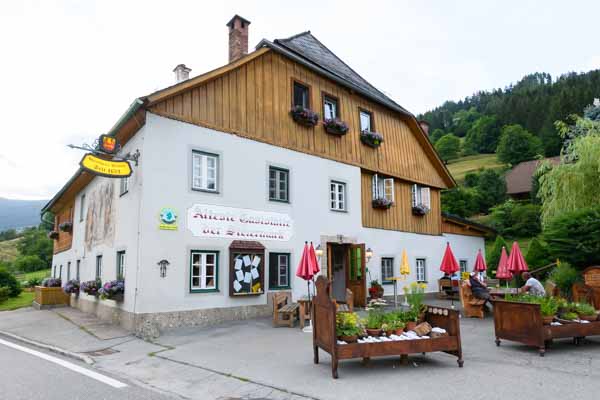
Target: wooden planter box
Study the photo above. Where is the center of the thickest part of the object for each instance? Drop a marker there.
(522, 322)
(51, 296)
(324, 337)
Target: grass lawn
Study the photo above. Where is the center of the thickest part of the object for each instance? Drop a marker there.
(459, 167)
(22, 300)
(37, 274)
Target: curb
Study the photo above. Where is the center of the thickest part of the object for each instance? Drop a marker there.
(54, 349)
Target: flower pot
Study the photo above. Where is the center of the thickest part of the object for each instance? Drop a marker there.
(547, 320)
(373, 332)
(411, 325)
(590, 318)
(399, 331)
(389, 332)
(334, 131)
(348, 339)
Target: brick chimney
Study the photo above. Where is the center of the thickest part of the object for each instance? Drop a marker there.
(425, 126)
(182, 73)
(238, 37)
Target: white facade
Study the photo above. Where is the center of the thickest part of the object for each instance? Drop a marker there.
(163, 179)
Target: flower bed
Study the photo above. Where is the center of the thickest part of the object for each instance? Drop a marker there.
(304, 116)
(335, 127)
(91, 287)
(371, 139)
(113, 290)
(72, 286)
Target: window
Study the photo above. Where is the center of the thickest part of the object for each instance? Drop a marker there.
(121, 264)
(69, 271)
(54, 271)
(463, 265)
(77, 268)
(279, 270)
(279, 179)
(337, 196)
(330, 107)
(383, 188)
(421, 270)
(421, 196)
(203, 271)
(301, 95)
(387, 269)
(82, 208)
(60, 272)
(124, 187)
(366, 121)
(204, 171)
(99, 267)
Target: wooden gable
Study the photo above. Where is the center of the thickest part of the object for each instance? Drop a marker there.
(252, 98)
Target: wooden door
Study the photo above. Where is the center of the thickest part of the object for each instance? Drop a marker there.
(356, 273)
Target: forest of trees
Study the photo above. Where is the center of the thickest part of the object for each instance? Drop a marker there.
(535, 103)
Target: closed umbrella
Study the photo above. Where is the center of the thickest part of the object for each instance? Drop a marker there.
(305, 269)
(404, 271)
(480, 266)
(516, 262)
(502, 271)
(449, 264)
(313, 261)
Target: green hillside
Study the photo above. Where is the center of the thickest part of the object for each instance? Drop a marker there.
(461, 166)
(8, 250)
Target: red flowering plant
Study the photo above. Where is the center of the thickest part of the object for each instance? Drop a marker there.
(304, 116)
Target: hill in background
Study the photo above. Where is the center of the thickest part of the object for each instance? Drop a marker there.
(20, 214)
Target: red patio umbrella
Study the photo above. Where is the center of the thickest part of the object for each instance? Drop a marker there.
(502, 271)
(449, 264)
(479, 263)
(314, 262)
(305, 267)
(516, 263)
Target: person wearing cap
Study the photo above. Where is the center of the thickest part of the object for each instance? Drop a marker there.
(532, 285)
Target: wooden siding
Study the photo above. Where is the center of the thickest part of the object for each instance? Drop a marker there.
(64, 238)
(399, 216)
(254, 99)
(452, 227)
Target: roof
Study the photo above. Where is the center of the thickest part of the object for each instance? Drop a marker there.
(519, 179)
(318, 56)
(467, 222)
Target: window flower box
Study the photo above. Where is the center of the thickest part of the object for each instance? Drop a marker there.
(53, 235)
(113, 290)
(91, 287)
(72, 286)
(66, 226)
(420, 210)
(371, 139)
(382, 203)
(336, 127)
(304, 116)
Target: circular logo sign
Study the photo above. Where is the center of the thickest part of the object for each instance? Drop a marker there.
(168, 216)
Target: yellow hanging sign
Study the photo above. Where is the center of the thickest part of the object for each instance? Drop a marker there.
(107, 168)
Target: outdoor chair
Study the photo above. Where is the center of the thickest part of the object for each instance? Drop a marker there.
(472, 306)
(285, 313)
(348, 305)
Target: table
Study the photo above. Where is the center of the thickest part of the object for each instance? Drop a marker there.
(502, 292)
(304, 310)
(396, 279)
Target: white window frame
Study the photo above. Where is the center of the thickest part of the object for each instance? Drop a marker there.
(201, 171)
(466, 264)
(121, 260)
(199, 258)
(387, 263)
(421, 269)
(280, 174)
(383, 188)
(421, 195)
(283, 279)
(330, 106)
(124, 186)
(82, 208)
(337, 196)
(365, 113)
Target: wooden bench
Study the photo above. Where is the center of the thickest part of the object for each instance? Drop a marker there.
(324, 336)
(348, 305)
(285, 313)
(472, 306)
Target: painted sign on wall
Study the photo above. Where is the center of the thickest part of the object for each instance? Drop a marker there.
(206, 220)
(107, 168)
(168, 219)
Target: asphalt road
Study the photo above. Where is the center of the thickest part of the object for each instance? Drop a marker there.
(25, 376)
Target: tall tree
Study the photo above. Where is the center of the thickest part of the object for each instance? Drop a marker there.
(516, 145)
(483, 135)
(448, 147)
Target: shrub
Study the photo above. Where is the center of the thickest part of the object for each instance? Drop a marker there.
(460, 201)
(516, 145)
(491, 189)
(471, 179)
(575, 237)
(4, 293)
(493, 257)
(29, 263)
(537, 254)
(516, 219)
(9, 281)
(34, 282)
(564, 276)
(347, 324)
(448, 147)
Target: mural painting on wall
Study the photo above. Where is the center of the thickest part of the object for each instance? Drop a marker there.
(100, 220)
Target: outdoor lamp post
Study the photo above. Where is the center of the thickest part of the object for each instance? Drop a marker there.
(319, 252)
(369, 254)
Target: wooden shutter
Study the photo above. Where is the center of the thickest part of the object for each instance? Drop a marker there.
(273, 266)
(388, 189)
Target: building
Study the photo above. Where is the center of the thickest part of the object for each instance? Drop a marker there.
(230, 185)
(519, 180)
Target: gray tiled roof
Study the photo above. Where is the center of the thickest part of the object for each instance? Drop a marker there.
(316, 55)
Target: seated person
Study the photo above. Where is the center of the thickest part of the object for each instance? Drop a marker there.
(479, 289)
(532, 285)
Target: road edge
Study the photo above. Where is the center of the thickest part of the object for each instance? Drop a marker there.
(80, 357)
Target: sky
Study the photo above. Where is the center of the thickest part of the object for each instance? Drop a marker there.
(70, 69)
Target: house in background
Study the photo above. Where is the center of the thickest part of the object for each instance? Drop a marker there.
(519, 180)
(234, 177)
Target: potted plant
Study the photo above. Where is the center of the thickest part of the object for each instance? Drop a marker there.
(371, 139)
(376, 290)
(336, 127)
(113, 290)
(382, 203)
(585, 311)
(66, 226)
(347, 327)
(72, 286)
(415, 293)
(373, 322)
(52, 282)
(548, 308)
(50, 293)
(91, 287)
(304, 116)
(420, 210)
(53, 235)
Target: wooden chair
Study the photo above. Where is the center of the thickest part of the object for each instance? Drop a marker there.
(285, 313)
(445, 287)
(348, 305)
(472, 306)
